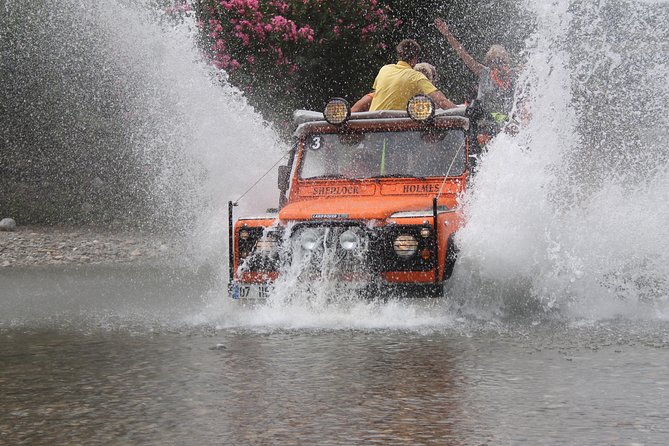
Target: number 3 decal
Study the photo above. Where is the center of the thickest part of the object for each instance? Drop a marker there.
(315, 143)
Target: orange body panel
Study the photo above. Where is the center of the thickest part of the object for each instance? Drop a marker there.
(376, 207)
(254, 277)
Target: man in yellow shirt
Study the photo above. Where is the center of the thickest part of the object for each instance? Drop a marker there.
(397, 83)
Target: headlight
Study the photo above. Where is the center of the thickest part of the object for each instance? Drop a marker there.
(349, 240)
(420, 108)
(243, 234)
(267, 245)
(337, 111)
(425, 232)
(308, 240)
(405, 246)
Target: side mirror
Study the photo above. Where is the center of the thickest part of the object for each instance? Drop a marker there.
(284, 177)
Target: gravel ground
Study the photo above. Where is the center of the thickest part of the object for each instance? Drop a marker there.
(31, 246)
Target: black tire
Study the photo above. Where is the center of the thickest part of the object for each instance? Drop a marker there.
(451, 257)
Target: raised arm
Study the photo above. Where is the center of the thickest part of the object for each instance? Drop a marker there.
(471, 63)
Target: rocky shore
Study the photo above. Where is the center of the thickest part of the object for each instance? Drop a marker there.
(34, 246)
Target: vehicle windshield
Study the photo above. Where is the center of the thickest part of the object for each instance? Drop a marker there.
(434, 153)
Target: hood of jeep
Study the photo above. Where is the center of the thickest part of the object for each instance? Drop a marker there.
(357, 208)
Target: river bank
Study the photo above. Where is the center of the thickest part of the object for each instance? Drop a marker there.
(36, 246)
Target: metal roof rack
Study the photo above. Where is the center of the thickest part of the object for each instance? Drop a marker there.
(304, 116)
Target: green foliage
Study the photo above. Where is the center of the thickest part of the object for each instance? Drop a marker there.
(281, 70)
(296, 54)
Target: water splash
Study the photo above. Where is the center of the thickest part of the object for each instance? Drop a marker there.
(132, 85)
(571, 214)
(194, 113)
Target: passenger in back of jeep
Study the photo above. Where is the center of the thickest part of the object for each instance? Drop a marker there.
(363, 104)
(397, 83)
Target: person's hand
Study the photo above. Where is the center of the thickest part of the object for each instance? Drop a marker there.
(441, 25)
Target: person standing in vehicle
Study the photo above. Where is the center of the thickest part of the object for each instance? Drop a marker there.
(397, 83)
(496, 83)
(363, 104)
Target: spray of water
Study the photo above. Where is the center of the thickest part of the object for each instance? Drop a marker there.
(126, 79)
(201, 130)
(571, 214)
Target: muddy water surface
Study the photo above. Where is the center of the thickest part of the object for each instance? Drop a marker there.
(120, 356)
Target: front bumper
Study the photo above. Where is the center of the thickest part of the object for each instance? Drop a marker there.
(373, 257)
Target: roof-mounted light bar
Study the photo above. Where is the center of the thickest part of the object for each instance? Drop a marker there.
(421, 108)
(337, 111)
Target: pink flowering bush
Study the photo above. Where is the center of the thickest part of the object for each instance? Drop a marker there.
(288, 54)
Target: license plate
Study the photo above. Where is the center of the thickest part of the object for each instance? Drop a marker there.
(249, 291)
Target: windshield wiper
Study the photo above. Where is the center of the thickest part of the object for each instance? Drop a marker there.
(398, 175)
(334, 176)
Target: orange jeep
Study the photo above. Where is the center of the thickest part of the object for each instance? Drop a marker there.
(373, 193)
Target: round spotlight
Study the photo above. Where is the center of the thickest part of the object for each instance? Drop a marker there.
(337, 111)
(267, 246)
(349, 240)
(243, 234)
(421, 108)
(405, 246)
(308, 240)
(425, 232)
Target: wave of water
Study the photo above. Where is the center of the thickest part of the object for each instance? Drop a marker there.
(571, 214)
(192, 112)
(200, 141)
